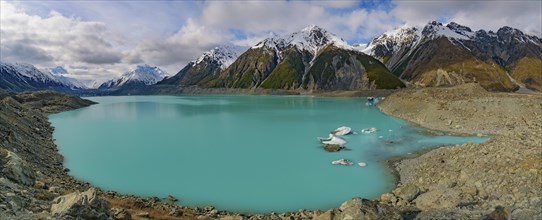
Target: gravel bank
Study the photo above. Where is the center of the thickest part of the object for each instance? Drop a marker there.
(471, 180)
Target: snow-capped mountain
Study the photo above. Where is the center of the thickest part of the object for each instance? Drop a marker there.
(311, 58)
(23, 77)
(448, 54)
(59, 73)
(206, 66)
(141, 75)
(223, 55)
(311, 38)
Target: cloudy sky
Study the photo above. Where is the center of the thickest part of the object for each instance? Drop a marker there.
(103, 39)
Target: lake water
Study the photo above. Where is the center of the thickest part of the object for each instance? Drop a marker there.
(239, 153)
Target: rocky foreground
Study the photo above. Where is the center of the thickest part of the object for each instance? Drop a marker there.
(470, 180)
(497, 179)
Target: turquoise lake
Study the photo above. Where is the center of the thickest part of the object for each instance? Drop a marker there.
(238, 153)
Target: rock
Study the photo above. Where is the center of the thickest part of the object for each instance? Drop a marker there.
(388, 198)
(440, 198)
(232, 217)
(85, 205)
(172, 198)
(358, 209)
(500, 213)
(176, 212)
(40, 185)
(332, 147)
(407, 192)
(121, 214)
(526, 214)
(325, 216)
(15, 168)
(143, 215)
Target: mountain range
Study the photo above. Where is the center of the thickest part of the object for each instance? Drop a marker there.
(442, 55)
(25, 77)
(314, 59)
(142, 75)
(310, 59)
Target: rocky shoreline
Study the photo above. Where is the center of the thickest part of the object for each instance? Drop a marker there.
(501, 177)
(471, 180)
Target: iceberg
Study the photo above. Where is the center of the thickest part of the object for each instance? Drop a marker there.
(342, 131)
(342, 162)
(369, 130)
(333, 140)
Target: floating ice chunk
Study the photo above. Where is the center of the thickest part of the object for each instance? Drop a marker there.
(369, 130)
(342, 131)
(345, 162)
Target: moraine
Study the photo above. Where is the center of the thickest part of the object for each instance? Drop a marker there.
(239, 153)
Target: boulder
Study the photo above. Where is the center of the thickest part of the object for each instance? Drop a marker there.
(500, 213)
(332, 147)
(439, 198)
(172, 198)
(325, 216)
(230, 217)
(16, 169)
(86, 205)
(388, 198)
(407, 192)
(121, 214)
(358, 209)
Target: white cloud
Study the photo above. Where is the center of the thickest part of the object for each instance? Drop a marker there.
(182, 47)
(258, 18)
(107, 39)
(54, 40)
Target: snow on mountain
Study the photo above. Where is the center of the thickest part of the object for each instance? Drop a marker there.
(224, 55)
(142, 75)
(395, 39)
(61, 75)
(30, 72)
(411, 36)
(71, 82)
(59, 70)
(311, 38)
(24, 77)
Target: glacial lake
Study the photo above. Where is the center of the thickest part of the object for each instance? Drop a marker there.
(237, 153)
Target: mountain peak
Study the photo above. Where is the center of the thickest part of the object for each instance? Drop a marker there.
(312, 28)
(311, 38)
(143, 74)
(223, 55)
(59, 70)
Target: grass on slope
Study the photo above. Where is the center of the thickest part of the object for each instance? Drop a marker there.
(528, 70)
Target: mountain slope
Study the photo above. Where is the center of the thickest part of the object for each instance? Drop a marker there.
(142, 75)
(206, 67)
(59, 74)
(25, 77)
(310, 59)
(443, 55)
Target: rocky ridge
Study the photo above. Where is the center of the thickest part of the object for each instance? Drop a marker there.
(450, 54)
(311, 59)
